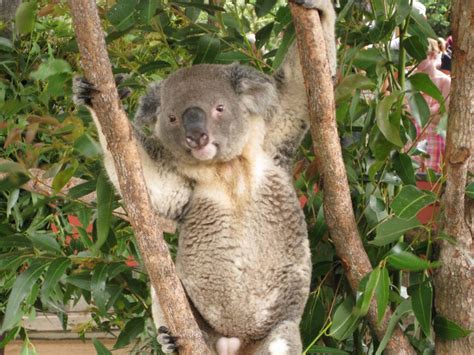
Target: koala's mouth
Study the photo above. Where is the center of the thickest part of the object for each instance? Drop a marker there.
(208, 152)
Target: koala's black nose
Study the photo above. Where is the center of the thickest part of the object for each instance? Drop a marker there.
(194, 122)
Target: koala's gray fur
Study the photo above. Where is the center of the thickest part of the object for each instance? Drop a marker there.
(243, 254)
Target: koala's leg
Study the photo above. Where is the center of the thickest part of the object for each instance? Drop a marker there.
(284, 339)
(290, 124)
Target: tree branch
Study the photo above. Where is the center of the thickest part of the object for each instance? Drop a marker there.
(122, 145)
(454, 291)
(337, 200)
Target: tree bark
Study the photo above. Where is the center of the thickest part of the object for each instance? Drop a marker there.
(121, 143)
(7, 13)
(454, 287)
(338, 210)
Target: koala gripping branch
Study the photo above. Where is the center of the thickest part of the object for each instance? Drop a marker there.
(120, 140)
(338, 212)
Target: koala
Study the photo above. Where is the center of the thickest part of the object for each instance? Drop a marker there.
(216, 144)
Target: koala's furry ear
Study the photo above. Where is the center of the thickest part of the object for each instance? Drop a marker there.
(148, 108)
(258, 91)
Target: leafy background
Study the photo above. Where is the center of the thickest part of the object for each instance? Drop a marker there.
(57, 249)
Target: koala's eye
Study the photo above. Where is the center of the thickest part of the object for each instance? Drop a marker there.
(172, 118)
(220, 108)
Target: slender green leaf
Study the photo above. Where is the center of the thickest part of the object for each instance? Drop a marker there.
(132, 329)
(263, 35)
(392, 229)
(98, 283)
(402, 12)
(122, 15)
(382, 292)
(449, 330)
(316, 349)
(363, 303)
(28, 348)
(344, 320)
(403, 165)
(410, 201)
(402, 309)
(404, 260)
(105, 197)
(263, 7)
(422, 302)
(63, 177)
(286, 42)
(389, 130)
(345, 89)
(423, 83)
(21, 288)
(100, 348)
(146, 9)
(51, 68)
(15, 241)
(421, 23)
(11, 261)
(207, 49)
(53, 275)
(415, 47)
(470, 190)
(45, 241)
(419, 108)
(82, 281)
(25, 17)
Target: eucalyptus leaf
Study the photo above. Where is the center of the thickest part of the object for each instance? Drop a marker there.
(263, 7)
(132, 329)
(100, 348)
(344, 320)
(20, 290)
(422, 301)
(392, 229)
(207, 49)
(105, 197)
(98, 283)
(448, 330)
(55, 271)
(404, 260)
(25, 17)
(403, 165)
(390, 131)
(410, 200)
(382, 292)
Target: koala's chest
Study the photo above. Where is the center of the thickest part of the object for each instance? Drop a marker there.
(239, 251)
(242, 229)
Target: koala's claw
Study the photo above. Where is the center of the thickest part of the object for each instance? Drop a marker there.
(82, 91)
(167, 342)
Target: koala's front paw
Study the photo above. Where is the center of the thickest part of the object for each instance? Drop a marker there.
(82, 91)
(167, 342)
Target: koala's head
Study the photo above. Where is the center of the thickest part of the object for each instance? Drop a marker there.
(205, 111)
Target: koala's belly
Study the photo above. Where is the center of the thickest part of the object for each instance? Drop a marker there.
(246, 269)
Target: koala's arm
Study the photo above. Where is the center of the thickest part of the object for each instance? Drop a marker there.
(169, 191)
(291, 123)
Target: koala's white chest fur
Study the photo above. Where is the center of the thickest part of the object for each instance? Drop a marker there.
(243, 241)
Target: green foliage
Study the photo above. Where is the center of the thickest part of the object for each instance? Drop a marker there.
(56, 249)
